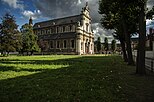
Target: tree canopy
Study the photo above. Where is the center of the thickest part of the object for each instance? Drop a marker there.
(29, 39)
(9, 35)
(98, 44)
(106, 45)
(127, 17)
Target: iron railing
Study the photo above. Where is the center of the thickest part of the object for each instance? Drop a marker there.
(149, 63)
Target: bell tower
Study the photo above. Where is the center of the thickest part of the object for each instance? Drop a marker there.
(31, 21)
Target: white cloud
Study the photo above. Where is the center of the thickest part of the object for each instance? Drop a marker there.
(15, 3)
(35, 15)
(79, 2)
(150, 4)
(60, 8)
(101, 32)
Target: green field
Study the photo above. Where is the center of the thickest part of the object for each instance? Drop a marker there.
(70, 78)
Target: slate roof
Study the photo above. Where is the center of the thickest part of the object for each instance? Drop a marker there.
(59, 21)
(58, 36)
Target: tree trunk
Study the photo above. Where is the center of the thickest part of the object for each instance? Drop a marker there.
(8, 53)
(140, 66)
(128, 43)
(31, 53)
(123, 50)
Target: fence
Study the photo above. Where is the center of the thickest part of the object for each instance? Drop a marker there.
(149, 63)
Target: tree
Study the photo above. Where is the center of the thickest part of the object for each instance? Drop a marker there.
(29, 39)
(9, 35)
(120, 36)
(98, 44)
(132, 18)
(140, 67)
(114, 16)
(44, 45)
(150, 13)
(106, 45)
(113, 45)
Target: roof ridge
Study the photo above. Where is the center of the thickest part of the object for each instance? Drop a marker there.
(57, 19)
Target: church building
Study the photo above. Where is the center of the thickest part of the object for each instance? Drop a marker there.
(68, 35)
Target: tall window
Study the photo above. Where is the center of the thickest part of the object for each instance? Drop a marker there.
(48, 31)
(67, 29)
(91, 46)
(51, 30)
(51, 44)
(87, 26)
(73, 28)
(63, 28)
(57, 29)
(70, 28)
(65, 44)
(45, 31)
(58, 44)
(72, 43)
(42, 32)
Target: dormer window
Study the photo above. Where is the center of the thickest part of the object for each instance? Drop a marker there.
(53, 23)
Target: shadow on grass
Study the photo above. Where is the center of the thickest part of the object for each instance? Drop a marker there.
(85, 79)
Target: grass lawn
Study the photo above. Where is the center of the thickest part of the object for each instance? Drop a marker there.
(70, 78)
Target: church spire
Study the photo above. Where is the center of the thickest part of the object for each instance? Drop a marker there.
(30, 21)
(87, 3)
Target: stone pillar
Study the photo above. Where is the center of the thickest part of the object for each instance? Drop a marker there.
(93, 46)
(78, 46)
(83, 47)
(90, 48)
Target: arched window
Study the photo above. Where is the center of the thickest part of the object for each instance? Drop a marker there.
(42, 32)
(58, 44)
(73, 28)
(51, 44)
(51, 30)
(72, 43)
(67, 29)
(57, 29)
(87, 27)
(38, 32)
(63, 28)
(48, 31)
(65, 44)
(70, 28)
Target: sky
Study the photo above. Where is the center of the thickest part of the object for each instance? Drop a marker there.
(42, 10)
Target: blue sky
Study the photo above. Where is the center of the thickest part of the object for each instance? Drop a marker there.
(21, 9)
(41, 10)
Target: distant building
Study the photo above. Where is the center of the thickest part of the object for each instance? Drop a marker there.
(148, 43)
(150, 39)
(68, 35)
(134, 43)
